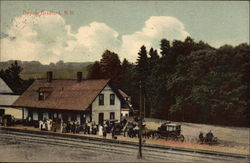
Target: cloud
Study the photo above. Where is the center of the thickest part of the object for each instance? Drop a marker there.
(47, 38)
(156, 28)
(97, 37)
(36, 37)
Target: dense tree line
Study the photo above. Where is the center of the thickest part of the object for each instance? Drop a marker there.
(186, 81)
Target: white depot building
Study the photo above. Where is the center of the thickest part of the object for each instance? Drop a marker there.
(71, 100)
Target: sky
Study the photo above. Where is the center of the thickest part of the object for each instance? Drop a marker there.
(80, 31)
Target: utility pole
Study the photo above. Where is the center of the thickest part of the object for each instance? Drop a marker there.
(144, 108)
(140, 124)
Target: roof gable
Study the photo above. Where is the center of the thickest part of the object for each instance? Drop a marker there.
(4, 88)
(124, 95)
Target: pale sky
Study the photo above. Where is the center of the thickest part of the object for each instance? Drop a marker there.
(84, 29)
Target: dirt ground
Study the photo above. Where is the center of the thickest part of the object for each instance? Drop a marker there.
(233, 138)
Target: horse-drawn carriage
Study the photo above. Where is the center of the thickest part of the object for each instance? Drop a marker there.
(208, 139)
(115, 125)
(170, 131)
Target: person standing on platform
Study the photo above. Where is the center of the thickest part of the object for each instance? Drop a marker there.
(100, 130)
(105, 131)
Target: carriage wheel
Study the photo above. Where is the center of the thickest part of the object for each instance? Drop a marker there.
(172, 137)
(181, 138)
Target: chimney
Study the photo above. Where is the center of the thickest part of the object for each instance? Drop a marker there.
(79, 76)
(49, 76)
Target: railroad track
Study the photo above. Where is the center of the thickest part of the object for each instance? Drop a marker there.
(130, 149)
(82, 145)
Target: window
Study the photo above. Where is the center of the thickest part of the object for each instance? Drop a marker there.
(44, 92)
(101, 99)
(40, 96)
(112, 115)
(112, 99)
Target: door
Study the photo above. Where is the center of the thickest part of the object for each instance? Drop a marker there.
(65, 117)
(100, 120)
(83, 118)
(40, 116)
(2, 112)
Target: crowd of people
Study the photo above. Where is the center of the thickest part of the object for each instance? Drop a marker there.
(127, 128)
(45, 125)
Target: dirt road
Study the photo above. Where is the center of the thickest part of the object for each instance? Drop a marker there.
(232, 137)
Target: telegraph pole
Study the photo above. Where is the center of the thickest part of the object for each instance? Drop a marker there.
(140, 125)
(144, 108)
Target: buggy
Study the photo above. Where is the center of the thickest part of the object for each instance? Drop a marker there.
(170, 131)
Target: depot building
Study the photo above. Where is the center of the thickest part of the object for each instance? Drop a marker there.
(72, 100)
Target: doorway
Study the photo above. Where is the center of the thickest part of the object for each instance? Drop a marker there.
(100, 120)
(2, 112)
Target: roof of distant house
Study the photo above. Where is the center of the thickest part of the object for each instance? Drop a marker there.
(62, 94)
(4, 88)
(124, 95)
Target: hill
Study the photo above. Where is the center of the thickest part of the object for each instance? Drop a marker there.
(37, 70)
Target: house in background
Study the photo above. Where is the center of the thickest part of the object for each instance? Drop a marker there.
(7, 98)
(126, 107)
(69, 100)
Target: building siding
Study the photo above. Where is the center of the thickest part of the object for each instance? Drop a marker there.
(16, 112)
(94, 109)
(106, 108)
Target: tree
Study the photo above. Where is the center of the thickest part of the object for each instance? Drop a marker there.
(142, 65)
(94, 71)
(11, 76)
(142, 72)
(110, 66)
(152, 83)
(165, 47)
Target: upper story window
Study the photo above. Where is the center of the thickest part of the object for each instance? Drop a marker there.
(101, 99)
(44, 92)
(41, 96)
(112, 99)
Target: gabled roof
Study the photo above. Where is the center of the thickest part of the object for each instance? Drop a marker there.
(4, 88)
(125, 104)
(124, 95)
(6, 100)
(65, 94)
